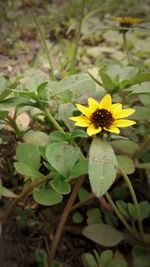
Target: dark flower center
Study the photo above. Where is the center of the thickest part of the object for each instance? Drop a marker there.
(126, 24)
(102, 118)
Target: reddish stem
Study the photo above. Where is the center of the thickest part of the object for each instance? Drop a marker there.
(63, 219)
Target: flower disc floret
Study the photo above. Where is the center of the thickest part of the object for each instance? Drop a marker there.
(103, 116)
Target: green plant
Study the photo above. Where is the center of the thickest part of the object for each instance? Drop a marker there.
(59, 152)
(104, 259)
(61, 161)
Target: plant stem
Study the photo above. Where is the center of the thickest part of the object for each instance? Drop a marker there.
(142, 148)
(63, 219)
(78, 34)
(83, 202)
(119, 215)
(53, 121)
(21, 196)
(135, 202)
(13, 124)
(126, 47)
(43, 41)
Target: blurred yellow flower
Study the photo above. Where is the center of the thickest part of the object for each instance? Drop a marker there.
(128, 21)
(103, 116)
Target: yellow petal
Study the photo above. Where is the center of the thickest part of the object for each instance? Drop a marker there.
(116, 108)
(106, 102)
(124, 113)
(123, 123)
(75, 118)
(81, 121)
(93, 105)
(91, 130)
(84, 110)
(113, 129)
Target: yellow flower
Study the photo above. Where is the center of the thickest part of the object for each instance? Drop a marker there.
(103, 116)
(128, 21)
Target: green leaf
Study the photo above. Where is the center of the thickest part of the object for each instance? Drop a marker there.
(64, 113)
(141, 78)
(144, 209)
(62, 157)
(76, 83)
(140, 88)
(41, 258)
(122, 206)
(34, 78)
(128, 209)
(113, 71)
(102, 166)
(78, 133)
(126, 146)
(142, 113)
(145, 99)
(37, 138)
(77, 217)
(60, 185)
(110, 219)
(97, 233)
(3, 114)
(80, 168)
(107, 81)
(94, 216)
(131, 210)
(106, 257)
(117, 76)
(96, 254)
(8, 193)
(4, 91)
(117, 263)
(126, 163)
(47, 197)
(89, 260)
(49, 167)
(141, 257)
(42, 152)
(27, 170)
(28, 153)
(126, 74)
(41, 88)
(57, 136)
(15, 102)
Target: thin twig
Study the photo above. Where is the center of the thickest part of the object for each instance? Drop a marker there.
(63, 219)
(135, 202)
(120, 216)
(82, 202)
(78, 35)
(126, 47)
(43, 41)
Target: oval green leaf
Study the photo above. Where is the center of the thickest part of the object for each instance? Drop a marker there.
(27, 170)
(60, 185)
(28, 154)
(97, 233)
(126, 164)
(47, 197)
(102, 166)
(62, 157)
